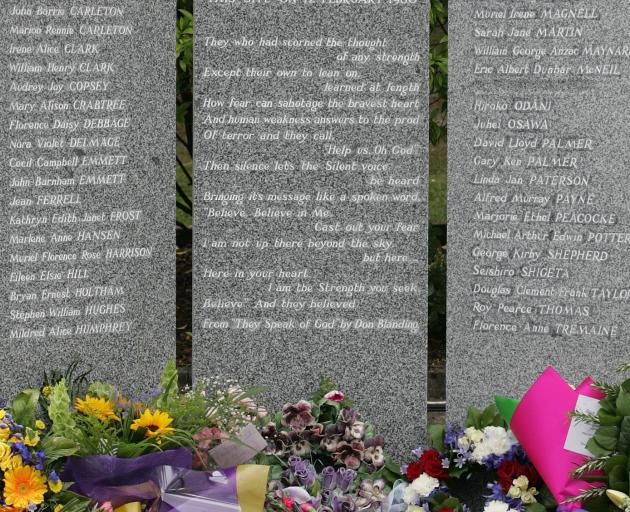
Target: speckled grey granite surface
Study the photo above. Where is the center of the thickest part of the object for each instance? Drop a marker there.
(114, 60)
(381, 366)
(538, 93)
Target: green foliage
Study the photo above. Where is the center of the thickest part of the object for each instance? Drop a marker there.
(438, 70)
(610, 446)
(185, 77)
(75, 378)
(102, 390)
(443, 501)
(168, 385)
(437, 286)
(436, 437)
(63, 424)
(489, 417)
(24, 407)
(57, 448)
(184, 44)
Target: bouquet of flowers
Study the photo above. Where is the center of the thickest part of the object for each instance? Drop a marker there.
(609, 468)
(323, 456)
(483, 446)
(30, 461)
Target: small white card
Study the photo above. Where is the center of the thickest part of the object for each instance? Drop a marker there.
(580, 432)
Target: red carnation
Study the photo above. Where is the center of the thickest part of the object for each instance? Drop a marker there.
(429, 463)
(432, 464)
(414, 470)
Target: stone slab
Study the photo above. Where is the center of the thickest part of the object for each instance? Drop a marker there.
(538, 203)
(88, 239)
(311, 126)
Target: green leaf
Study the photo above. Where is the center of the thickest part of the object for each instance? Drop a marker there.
(457, 472)
(607, 437)
(57, 447)
(535, 507)
(623, 400)
(489, 417)
(618, 479)
(436, 436)
(623, 445)
(600, 504)
(597, 450)
(546, 498)
(24, 407)
(473, 418)
(168, 384)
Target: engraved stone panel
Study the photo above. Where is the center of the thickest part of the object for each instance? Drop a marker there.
(310, 194)
(538, 194)
(88, 189)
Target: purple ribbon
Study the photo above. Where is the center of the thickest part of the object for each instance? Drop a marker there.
(163, 480)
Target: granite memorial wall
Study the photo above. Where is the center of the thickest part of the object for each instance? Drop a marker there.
(88, 249)
(539, 217)
(310, 193)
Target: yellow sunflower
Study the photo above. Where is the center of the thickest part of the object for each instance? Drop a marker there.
(23, 486)
(156, 423)
(99, 407)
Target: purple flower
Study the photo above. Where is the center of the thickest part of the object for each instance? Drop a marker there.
(343, 504)
(346, 418)
(453, 434)
(498, 495)
(350, 454)
(302, 471)
(330, 443)
(373, 453)
(23, 451)
(371, 492)
(297, 416)
(329, 478)
(345, 477)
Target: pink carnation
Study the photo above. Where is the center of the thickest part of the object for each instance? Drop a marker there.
(334, 396)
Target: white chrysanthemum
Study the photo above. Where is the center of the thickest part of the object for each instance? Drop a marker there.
(481, 451)
(424, 485)
(497, 506)
(473, 434)
(498, 440)
(463, 442)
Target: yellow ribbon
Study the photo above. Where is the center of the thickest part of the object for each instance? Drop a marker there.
(251, 487)
(134, 506)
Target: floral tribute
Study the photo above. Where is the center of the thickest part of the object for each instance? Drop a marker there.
(29, 479)
(325, 457)
(75, 445)
(485, 448)
(610, 449)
